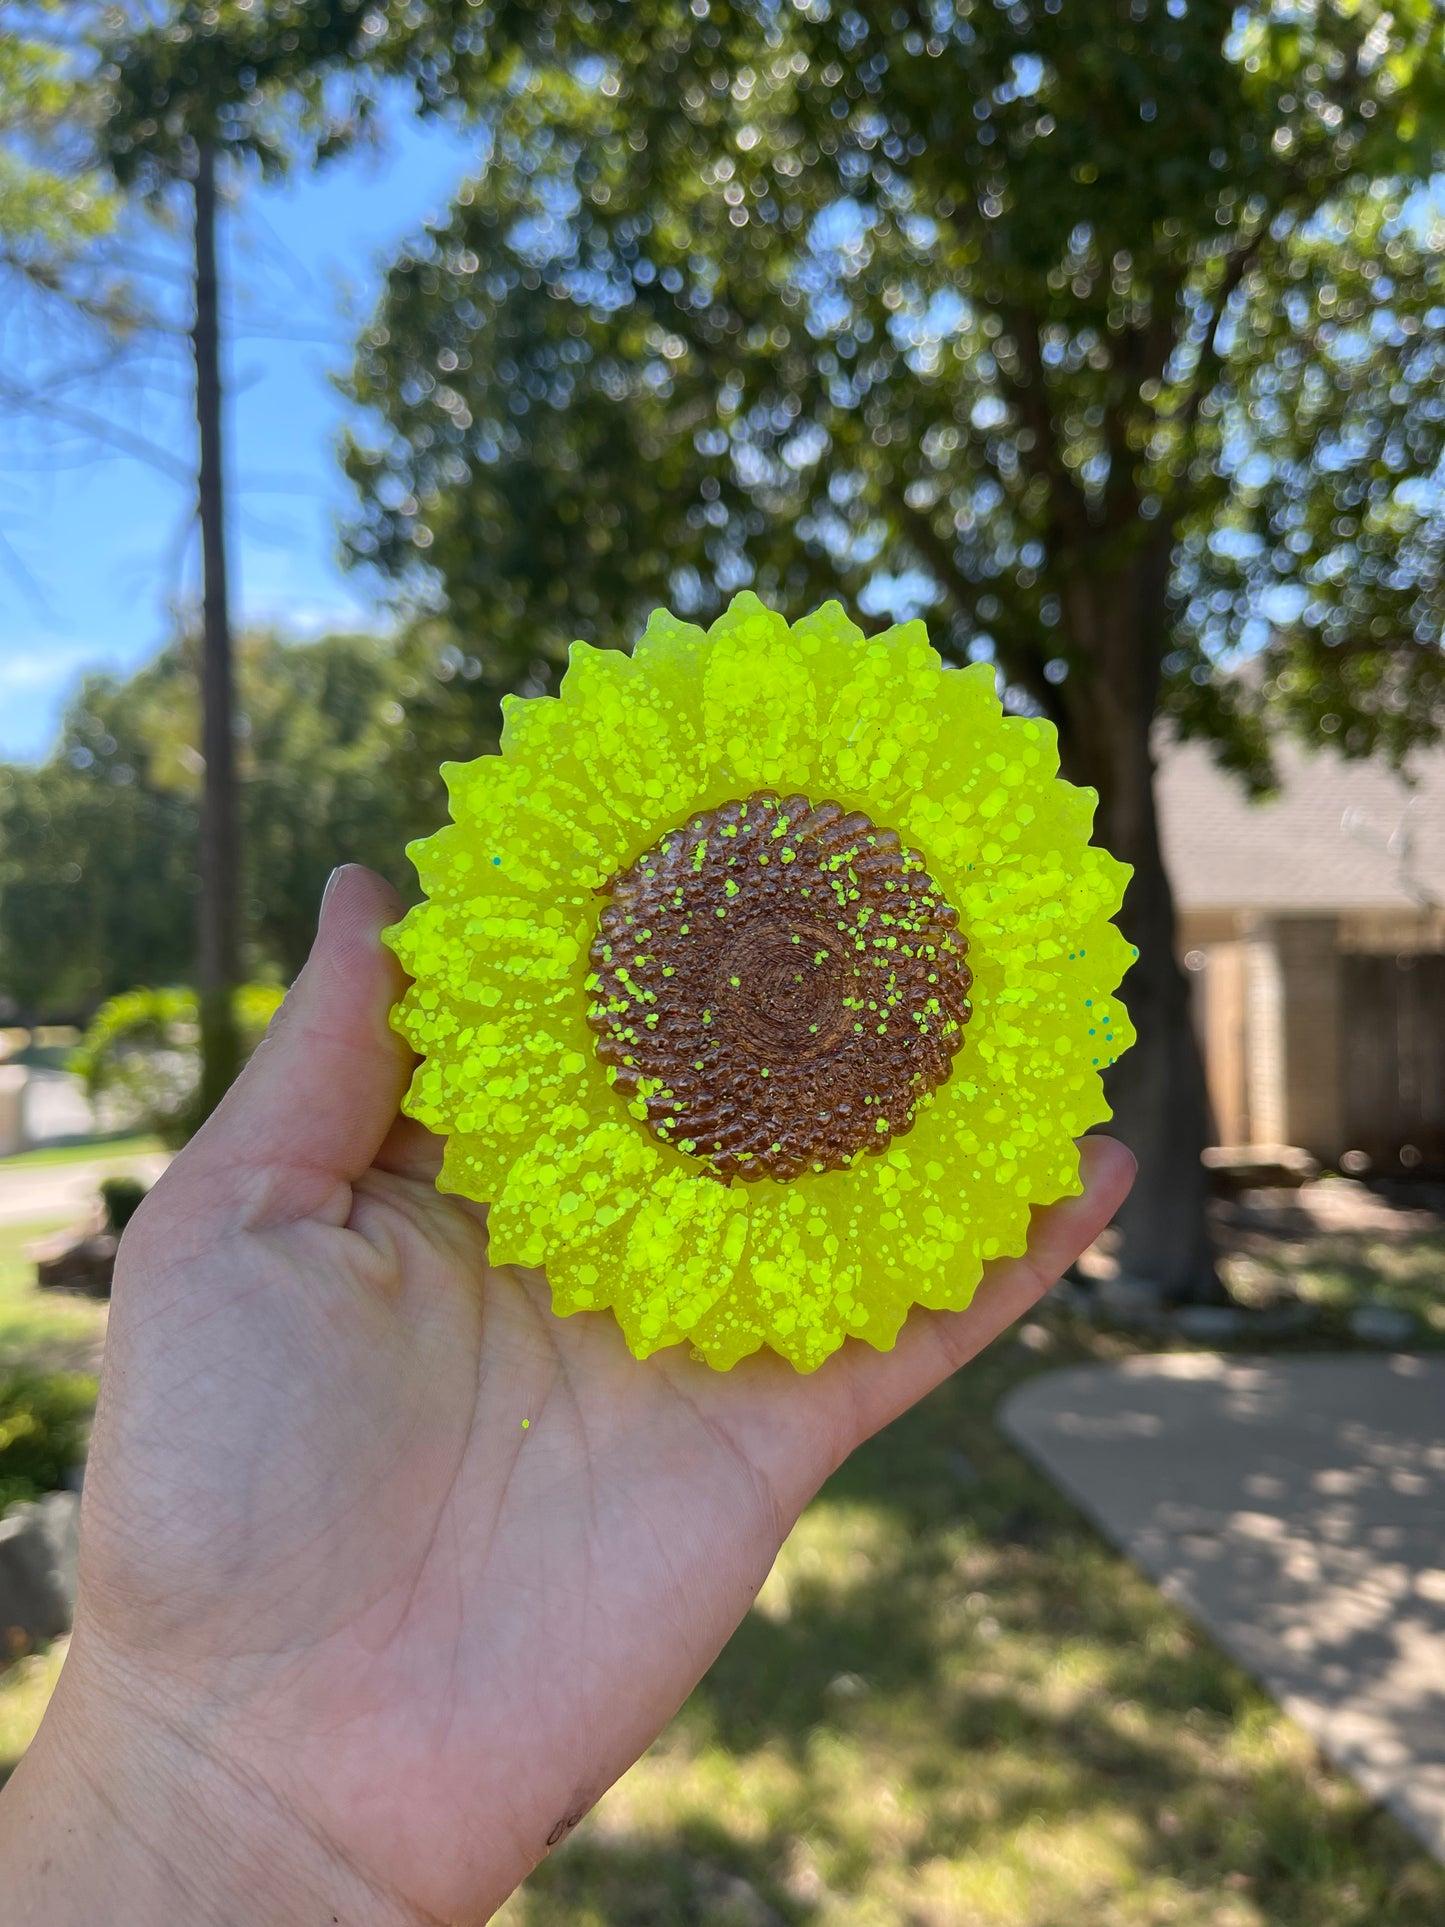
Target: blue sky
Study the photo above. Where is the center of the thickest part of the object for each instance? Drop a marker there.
(97, 546)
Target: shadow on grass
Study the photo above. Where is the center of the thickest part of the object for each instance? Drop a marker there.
(1339, 1270)
(962, 1710)
(702, 1874)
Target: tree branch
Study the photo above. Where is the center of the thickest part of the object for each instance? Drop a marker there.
(1210, 364)
(938, 555)
(96, 426)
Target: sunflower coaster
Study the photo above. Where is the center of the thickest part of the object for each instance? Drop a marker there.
(763, 983)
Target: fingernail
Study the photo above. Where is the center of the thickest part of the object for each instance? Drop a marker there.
(330, 886)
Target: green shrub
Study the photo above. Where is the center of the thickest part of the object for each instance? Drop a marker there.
(44, 1417)
(122, 1199)
(141, 1056)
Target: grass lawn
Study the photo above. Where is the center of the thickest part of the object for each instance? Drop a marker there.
(90, 1150)
(1395, 1259)
(25, 1690)
(39, 1331)
(1341, 1271)
(43, 1331)
(954, 1706)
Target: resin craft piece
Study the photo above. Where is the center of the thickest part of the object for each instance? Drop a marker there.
(763, 983)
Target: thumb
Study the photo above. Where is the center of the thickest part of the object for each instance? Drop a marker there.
(309, 1112)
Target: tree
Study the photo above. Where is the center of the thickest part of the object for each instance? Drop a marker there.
(338, 743)
(194, 89)
(67, 313)
(1028, 316)
(51, 208)
(96, 858)
(199, 90)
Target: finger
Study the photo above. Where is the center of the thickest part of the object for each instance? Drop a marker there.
(933, 1344)
(410, 1150)
(312, 1108)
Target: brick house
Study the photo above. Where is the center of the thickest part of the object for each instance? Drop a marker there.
(1314, 929)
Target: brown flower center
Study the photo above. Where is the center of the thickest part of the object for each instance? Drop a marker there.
(777, 983)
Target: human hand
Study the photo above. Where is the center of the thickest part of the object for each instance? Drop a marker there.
(386, 1572)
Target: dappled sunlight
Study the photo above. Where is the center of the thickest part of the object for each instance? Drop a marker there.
(1297, 1507)
(1335, 1245)
(25, 1689)
(954, 1707)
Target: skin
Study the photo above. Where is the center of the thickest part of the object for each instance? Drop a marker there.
(353, 1644)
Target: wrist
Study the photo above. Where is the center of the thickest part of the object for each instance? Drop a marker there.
(121, 1812)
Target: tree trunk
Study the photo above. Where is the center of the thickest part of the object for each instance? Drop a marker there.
(1157, 1089)
(218, 960)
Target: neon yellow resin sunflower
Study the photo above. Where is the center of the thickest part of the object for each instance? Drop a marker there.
(690, 990)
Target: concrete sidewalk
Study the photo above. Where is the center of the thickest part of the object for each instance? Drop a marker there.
(37, 1193)
(1296, 1508)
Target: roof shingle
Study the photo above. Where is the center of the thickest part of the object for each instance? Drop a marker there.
(1339, 836)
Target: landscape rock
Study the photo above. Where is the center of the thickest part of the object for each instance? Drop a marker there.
(37, 1570)
(1211, 1324)
(1132, 1303)
(847, 1686)
(1383, 1325)
(962, 1466)
(67, 1263)
(1286, 1320)
(1245, 1167)
(731, 1901)
(1034, 1337)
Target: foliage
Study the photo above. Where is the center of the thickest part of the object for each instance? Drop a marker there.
(96, 856)
(272, 81)
(338, 762)
(43, 1422)
(63, 287)
(989, 304)
(1323, 564)
(140, 1058)
(329, 770)
(951, 307)
(51, 203)
(247, 77)
(121, 1198)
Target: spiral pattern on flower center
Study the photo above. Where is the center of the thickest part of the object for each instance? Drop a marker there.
(776, 985)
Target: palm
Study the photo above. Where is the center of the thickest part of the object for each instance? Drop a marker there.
(315, 1507)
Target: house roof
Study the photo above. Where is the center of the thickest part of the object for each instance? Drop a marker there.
(1339, 836)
